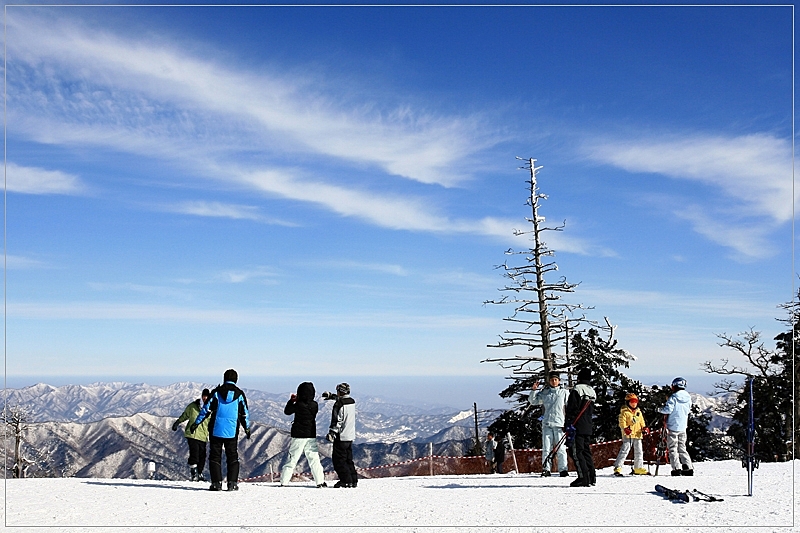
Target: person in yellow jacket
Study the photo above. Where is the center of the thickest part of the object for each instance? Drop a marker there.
(196, 439)
(633, 427)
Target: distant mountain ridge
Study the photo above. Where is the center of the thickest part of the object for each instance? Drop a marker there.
(378, 421)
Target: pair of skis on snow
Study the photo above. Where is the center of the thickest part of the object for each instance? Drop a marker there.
(686, 495)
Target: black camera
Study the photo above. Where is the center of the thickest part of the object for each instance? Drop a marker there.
(329, 395)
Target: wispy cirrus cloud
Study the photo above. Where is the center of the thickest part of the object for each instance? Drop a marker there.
(753, 173)
(34, 180)
(18, 262)
(212, 209)
(130, 83)
(156, 100)
(385, 268)
(754, 169)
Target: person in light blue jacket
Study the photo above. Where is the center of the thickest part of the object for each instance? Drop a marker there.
(227, 408)
(677, 410)
(554, 399)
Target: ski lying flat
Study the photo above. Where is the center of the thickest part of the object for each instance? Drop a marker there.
(703, 497)
(672, 494)
(686, 495)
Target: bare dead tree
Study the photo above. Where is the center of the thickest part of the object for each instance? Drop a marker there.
(16, 419)
(541, 320)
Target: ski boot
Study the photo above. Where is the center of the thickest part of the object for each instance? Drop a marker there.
(193, 473)
(675, 473)
(618, 472)
(545, 473)
(580, 482)
(320, 486)
(686, 471)
(215, 486)
(563, 473)
(640, 472)
(232, 485)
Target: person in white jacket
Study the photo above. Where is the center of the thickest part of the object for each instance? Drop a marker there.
(677, 410)
(554, 400)
(342, 433)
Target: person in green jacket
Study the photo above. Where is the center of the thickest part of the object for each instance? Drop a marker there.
(196, 439)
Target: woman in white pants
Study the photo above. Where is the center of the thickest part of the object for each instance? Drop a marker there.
(304, 434)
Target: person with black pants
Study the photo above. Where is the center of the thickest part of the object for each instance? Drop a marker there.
(342, 433)
(227, 408)
(581, 398)
(196, 439)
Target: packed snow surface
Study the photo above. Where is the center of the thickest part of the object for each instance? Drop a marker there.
(501, 502)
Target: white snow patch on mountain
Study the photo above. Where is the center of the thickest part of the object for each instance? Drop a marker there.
(460, 416)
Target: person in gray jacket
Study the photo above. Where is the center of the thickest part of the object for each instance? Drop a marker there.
(554, 399)
(342, 433)
(677, 410)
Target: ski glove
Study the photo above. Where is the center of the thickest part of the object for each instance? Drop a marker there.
(570, 431)
(646, 431)
(193, 427)
(627, 431)
(175, 426)
(331, 436)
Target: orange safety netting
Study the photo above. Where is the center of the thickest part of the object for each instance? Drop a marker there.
(527, 461)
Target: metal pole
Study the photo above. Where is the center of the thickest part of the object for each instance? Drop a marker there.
(430, 458)
(513, 455)
(478, 447)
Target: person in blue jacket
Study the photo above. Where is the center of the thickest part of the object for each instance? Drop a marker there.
(227, 408)
(677, 410)
(554, 399)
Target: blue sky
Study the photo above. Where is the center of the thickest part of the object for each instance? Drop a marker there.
(326, 190)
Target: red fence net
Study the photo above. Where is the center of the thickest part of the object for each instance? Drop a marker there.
(527, 461)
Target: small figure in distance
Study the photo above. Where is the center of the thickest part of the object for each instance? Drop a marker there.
(196, 439)
(491, 447)
(227, 408)
(304, 434)
(342, 433)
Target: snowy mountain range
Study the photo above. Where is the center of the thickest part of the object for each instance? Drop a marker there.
(378, 421)
(113, 430)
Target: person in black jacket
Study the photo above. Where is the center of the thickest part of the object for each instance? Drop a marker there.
(304, 434)
(580, 401)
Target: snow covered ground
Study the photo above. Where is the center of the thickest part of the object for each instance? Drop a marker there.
(470, 503)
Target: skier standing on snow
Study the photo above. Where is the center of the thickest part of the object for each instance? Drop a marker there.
(342, 433)
(491, 446)
(554, 399)
(304, 434)
(633, 428)
(677, 410)
(227, 409)
(581, 398)
(196, 439)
